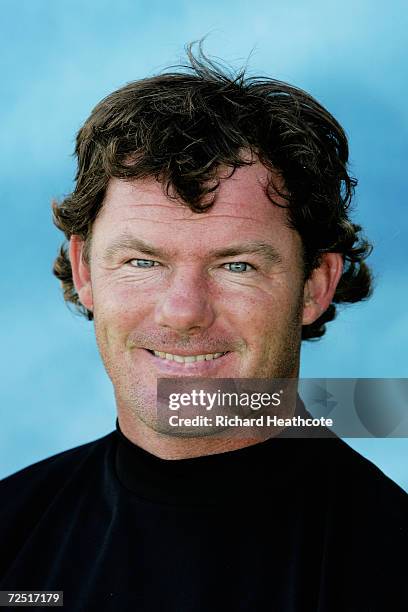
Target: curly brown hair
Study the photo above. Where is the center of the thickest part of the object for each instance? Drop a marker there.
(181, 126)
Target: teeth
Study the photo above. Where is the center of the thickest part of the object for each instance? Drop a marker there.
(187, 358)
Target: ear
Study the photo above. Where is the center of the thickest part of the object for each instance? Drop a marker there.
(81, 274)
(320, 287)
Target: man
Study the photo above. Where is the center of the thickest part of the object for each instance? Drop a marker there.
(208, 235)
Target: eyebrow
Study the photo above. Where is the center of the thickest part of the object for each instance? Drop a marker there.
(125, 242)
(256, 247)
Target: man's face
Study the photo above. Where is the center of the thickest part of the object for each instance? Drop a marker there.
(226, 284)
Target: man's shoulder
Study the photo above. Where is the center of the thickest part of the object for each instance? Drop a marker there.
(44, 494)
(53, 473)
(355, 477)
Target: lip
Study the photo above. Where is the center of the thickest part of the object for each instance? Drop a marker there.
(198, 368)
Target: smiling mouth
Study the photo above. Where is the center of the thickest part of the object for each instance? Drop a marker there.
(186, 358)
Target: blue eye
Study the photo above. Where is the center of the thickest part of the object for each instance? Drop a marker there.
(239, 266)
(143, 263)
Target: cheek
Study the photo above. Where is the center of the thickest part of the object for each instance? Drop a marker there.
(118, 310)
(262, 310)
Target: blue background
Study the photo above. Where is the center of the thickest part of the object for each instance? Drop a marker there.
(59, 58)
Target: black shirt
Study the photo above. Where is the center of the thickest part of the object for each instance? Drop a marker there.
(286, 525)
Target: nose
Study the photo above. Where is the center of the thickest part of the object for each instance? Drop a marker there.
(185, 305)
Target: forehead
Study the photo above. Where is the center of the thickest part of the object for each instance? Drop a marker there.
(241, 209)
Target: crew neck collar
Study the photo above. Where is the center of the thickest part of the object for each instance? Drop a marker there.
(211, 478)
